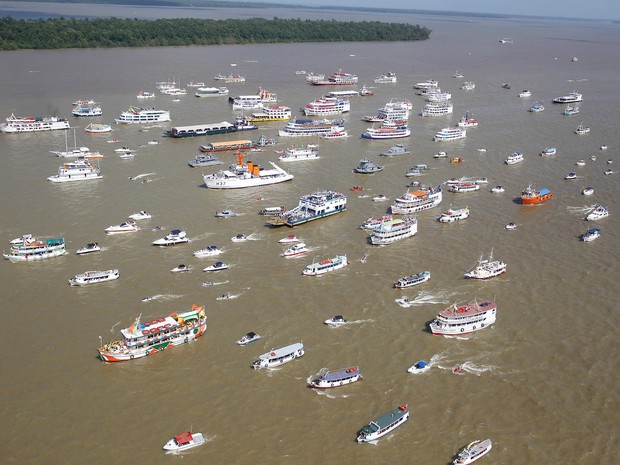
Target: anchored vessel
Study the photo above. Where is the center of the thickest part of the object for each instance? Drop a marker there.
(246, 175)
(142, 339)
(335, 378)
(277, 357)
(312, 207)
(384, 424)
(450, 134)
(92, 277)
(394, 230)
(412, 280)
(15, 124)
(30, 249)
(325, 266)
(142, 115)
(339, 78)
(326, 106)
(417, 200)
(306, 127)
(464, 319)
(78, 170)
(208, 129)
(531, 196)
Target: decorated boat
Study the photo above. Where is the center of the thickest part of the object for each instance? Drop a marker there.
(142, 339)
(31, 249)
(305, 127)
(387, 131)
(447, 134)
(464, 319)
(277, 357)
(336, 378)
(384, 424)
(326, 106)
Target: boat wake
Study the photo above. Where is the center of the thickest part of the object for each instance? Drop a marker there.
(211, 283)
(115, 325)
(161, 297)
(469, 367)
(227, 296)
(140, 176)
(426, 298)
(581, 210)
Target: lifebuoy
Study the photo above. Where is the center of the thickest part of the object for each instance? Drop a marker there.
(474, 327)
(341, 383)
(482, 325)
(273, 354)
(186, 340)
(131, 356)
(462, 329)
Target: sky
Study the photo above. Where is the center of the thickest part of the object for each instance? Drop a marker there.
(589, 9)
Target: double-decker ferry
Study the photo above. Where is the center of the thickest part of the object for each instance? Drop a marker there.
(464, 319)
(417, 200)
(29, 249)
(15, 124)
(270, 113)
(387, 131)
(325, 266)
(384, 424)
(307, 127)
(312, 207)
(450, 134)
(339, 78)
(77, 170)
(394, 230)
(277, 357)
(437, 109)
(336, 378)
(326, 106)
(143, 115)
(142, 339)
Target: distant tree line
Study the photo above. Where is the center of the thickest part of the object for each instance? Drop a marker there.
(62, 33)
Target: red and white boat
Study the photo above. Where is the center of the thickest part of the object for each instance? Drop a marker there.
(531, 196)
(464, 319)
(336, 378)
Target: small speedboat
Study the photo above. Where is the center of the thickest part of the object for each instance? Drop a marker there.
(571, 175)
(248, 338)
(225, 214)
(593, 157)
(580, 163)
(608, 172)
(210, 251)
(379, 198)
(604, 147)
(511, 226)
(239, 238)
(176, 236)
(227, 296)
(588, 191)
(458, 369)
(184, 441)
(296, 249)
(125, 227)
(440, 155)
(217, 266)
(88, 248)
(123, 150)
(336, 321)
(419, 367)
(590, 235)
(127, 155)
(498, 190)
(598, 213)
(141, 215)
(180, 268)
(290, 239)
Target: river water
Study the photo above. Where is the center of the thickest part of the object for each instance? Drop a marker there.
(541, 382)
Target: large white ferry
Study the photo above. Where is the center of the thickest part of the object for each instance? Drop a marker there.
(459, 320)
(277, 357)
(486, 268)
(417, 200)
(312, 207)
(387, 131)
(572, 97)
(384, 424)
(143, 115)
(211, 92)
(142, 339)
(450, 134)
(326, 106)
(300, 153)
(87, 110)
(426, 84)
(394, 230)
(270, 113)
(30, 249)
(337, 79)
(387, 78)
(76, 170)
(248, 174)
(32, 124)
(306, 127)
(325, 266)
(92, 277)
(437, 109)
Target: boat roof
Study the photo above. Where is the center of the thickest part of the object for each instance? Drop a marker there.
(282, 351)
(545, 191)
(472, 308)
(340, 373)
(183, 438)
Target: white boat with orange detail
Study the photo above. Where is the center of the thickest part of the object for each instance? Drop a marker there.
(336, 378)
(325, 266)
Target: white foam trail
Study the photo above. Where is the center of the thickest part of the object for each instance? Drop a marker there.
(161, 297)
(581, 210)
(141, 176)
(426, 298)
(211, 283)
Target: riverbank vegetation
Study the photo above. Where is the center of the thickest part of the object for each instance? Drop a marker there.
(61, 33)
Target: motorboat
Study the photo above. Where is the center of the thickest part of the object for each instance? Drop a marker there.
(176, 236)
(440, 155)
(580, 163)
(571, 175)
(525, 93)
(277, 357)
(608, 172)
(473, 452)
(93, 277)
(588, 191)
(271, 211)
(180, 268)
(581, 129)
(514, 158)
(225, 214)
(367, 167)
(593, 157)
(217, 266)
(290, 239)
(239, 238)
(419, 367)
(537, 108)
(126, 155)
(210, 251)
(204, 159)
(123, 150)
(604, 147)
(128, 226)
(413, 172)
(511, 226)
(395, 150)
(184, 441)
(598, 213)
(248, 338)
(498, 190)
(572, 97)
(227, 296)
(548, 151)
(299, 248)
(336, 321)
(591, 234)
(141, 215)
(454, 214)
(380, 198)
(88, 248)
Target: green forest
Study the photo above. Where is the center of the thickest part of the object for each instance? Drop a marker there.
(62, 33)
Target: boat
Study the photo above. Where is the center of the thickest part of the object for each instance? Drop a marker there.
(277, 357)
(387, 131)
(456, 160)
(372, 222)
(248, 338)
(335, 135)
(426, 84)
(142, 339)
(395, 150)
(581, 129)
(464, 319)
(239, 238)
(514, 158)
(598, 213)
(336, 321)
(384, 424)
(464, 186)
(438, 97)
(217, 266)
(270, 113)
(311, 207)
(412, 280)
(195, 84)
(467, 121)
(608, 172)
(174, 91)
(77, 170)
(243, 144)
(97, 128)
(264, 141)
(419, 367)
(588, 191)
(498, 190)
(447, 134)
(506, 85)
(229, 78)
(174, 237)
(548, 151)
(454, 214)
(126, 155)
(211, 92)
(417, 200)
(531, 196)
(572, 97)
(468, 85)
(326, 106)
(296, 249)
(380, 198)
(537, 107)
(336, 378)
(440, 154)
(32, 249)
(325, 266)
(87, 110)
(227, 213)
(300, 153)
(338, 78)
(143, 94)
(486, 268)
(128, 226)
(207, 129)
(393, 230)
(525, 93)
(387, 78)
(603, 147)
(437, 109)
(367, 167)
(511, 226)
(473, 452)
(590, 235)
(593, 157)
(141, 215)
(17, 124)
(306, 127)
(88, 248)
(92, 277)
(571, 110)
(580, 163)
(143, 115)
(570, 176)
(184, 441)
(241, 175)
(209, 251)
(201, 160)
(343, 93)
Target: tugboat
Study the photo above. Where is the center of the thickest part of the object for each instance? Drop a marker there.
(531, 196)
(367, 167)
